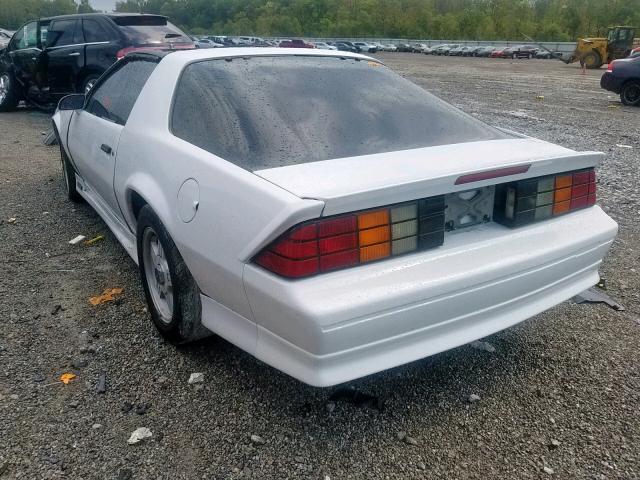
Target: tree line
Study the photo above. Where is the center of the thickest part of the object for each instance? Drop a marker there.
(544, 20)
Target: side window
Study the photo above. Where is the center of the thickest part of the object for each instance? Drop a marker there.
(16, 41)
(61, 33)
(94, 32)
(26, 37)
(114, 98)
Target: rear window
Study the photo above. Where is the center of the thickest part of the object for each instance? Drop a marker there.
(150, 30)
(263, 112)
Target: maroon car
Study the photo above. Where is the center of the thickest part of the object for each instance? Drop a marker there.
(296, 43)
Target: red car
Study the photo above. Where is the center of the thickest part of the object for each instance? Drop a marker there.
(296, 43)
(498, 53)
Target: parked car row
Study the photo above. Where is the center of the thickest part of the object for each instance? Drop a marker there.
(455, 49)
(341, 45)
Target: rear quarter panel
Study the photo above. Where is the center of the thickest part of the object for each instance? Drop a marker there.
(236, 210)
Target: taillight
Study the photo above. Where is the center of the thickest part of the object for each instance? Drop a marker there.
(168, 46)
(610, 66)
(356, 238)
(360, 237)
(526, 201)
(121, 53)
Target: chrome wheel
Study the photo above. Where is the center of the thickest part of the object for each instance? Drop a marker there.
(156, 270)
(4, 86)
(89, 86)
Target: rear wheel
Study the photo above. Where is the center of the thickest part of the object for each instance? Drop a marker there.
(630, 94)
(172, 294)
(9, 96)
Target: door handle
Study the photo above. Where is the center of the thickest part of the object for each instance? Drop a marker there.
(106, 149)
(74, 54)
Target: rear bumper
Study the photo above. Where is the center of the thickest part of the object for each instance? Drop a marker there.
(610, 82)
(344, 325)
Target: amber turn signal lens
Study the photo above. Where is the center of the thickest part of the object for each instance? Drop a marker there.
(373, 219)
(375, 252)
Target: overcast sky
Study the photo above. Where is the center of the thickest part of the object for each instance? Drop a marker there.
(104, 5)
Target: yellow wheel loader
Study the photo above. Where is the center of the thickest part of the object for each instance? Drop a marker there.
(594, 52)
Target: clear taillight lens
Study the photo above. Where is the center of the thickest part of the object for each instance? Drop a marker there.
(526, 201)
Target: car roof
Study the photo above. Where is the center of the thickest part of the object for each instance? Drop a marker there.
(184, 57)
(94, 15)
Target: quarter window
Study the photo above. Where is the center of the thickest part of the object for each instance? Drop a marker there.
(114, 98)
(94, 32)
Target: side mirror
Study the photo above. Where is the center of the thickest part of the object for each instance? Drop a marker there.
(72, 102)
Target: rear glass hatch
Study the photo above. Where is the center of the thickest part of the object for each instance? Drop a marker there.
(150, 30)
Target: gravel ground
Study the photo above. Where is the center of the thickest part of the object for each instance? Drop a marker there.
(558, 397)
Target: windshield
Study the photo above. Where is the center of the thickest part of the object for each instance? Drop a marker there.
(150, 30)
(261, 112)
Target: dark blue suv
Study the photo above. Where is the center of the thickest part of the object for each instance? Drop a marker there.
(623, 77)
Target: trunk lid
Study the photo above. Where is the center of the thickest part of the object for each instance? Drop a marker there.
(356, 183)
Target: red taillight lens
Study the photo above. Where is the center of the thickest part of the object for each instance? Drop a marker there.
(361, 237)
(610, 66)
(121, 53)
(527, 201)
(169, 46)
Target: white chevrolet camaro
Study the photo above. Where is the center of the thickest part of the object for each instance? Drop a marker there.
(321, 212)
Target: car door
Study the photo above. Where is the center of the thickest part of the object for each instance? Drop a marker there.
(94, 132)
(24, 53)
(64, 54)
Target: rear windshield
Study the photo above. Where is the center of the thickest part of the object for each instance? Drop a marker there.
(150, 30)
(263, 112)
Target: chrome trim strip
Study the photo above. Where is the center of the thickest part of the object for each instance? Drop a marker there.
(76, 45)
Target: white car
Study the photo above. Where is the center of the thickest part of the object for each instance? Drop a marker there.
(208, 43)
(390, 48)
(331, 238)
(324, 46)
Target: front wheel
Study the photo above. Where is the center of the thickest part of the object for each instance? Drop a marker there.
(592, 60)
(630, 94)
(9, 95)
(172, 294)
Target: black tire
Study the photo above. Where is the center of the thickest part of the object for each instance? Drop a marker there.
(10, 96)
(88, 82)
(184, 324)
(592, 60)
(68, 173)
(630, 93)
